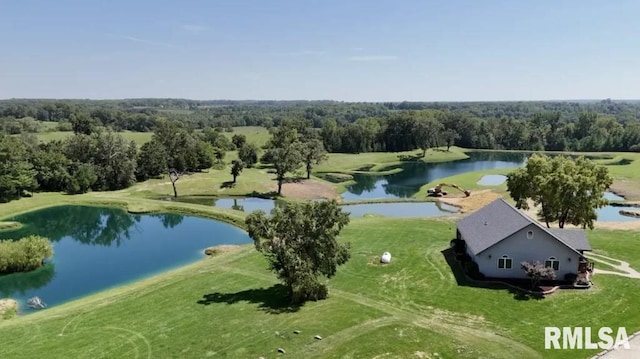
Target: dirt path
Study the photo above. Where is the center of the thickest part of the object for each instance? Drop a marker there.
(622, 266)
(477, 200)
(308, 189)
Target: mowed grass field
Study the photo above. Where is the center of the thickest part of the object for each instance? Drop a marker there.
(257, 135)
(139, 138)
(230, 306)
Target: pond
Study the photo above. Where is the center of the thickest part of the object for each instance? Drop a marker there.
(612, 214)
(401, 209)
(612, 196)
(248, 204)
(99, 248)
(416, 174)
(492, 180)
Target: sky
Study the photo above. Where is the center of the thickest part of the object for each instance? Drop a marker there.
(347, 50)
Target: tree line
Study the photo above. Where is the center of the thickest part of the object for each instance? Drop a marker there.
(102, 160)
(360, 127)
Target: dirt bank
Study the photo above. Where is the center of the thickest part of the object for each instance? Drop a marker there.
(477, 200)
(308, 189)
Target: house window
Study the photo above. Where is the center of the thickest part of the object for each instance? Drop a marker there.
(553, 263)
(529, 234)
(505, 262)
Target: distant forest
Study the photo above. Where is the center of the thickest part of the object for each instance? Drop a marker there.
(360, 127)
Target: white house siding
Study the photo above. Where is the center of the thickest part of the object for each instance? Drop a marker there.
(519, 248)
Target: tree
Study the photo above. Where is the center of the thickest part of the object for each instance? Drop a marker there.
(82, 177)
(218, 154)
(152, 160)
(174, 176)
(300, 244)
(284, 152)
(204, 154)
(239, 140)
(16, 173)
(426, 132)
(51, 166)
(82, 124)
(248, 154)
(537, 271)
(236, 168)
(567, 190)
(114, 160)
(313, 153)
(450, 136)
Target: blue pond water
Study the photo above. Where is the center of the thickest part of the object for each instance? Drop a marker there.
(416, 174)
(248, 204)
(611, 214)
(98, 248)
(401, 209)
(492, 180)
(612, 196)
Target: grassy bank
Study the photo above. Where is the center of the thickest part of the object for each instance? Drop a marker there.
(380, 163)
(230, 306)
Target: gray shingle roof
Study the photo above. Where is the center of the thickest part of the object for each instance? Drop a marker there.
(575, 238)
(491, 224)
(498, 220)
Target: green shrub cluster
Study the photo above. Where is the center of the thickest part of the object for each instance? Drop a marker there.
(24, 255)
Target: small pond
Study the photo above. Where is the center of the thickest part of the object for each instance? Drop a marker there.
(99, 248)
(492, 180)
(612, 214)
(612, 196)
(248, 204)
(416, 174)
(401, 209)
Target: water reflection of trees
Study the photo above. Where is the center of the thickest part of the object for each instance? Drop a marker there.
(363, 183)
(169, 220)
(415, 174)
(20, 283)
(88, 225)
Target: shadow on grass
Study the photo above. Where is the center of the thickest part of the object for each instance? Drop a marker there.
(228, 184)
(409, 158)
(264, 195)
(463, 280)
(272, 300)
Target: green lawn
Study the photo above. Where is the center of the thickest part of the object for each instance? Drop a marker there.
(138, 137)
(255, 134)
(230, 306)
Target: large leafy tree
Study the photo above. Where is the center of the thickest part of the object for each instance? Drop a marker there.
(426, 132)
(152, 160)
(284, 151)
(248, 154)
(239, 140)
(184, 150)
(313, 153)
(16, 173)
(300, 243)
(236, 169)
(51, 166)
(566, 190)
(114, 160)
